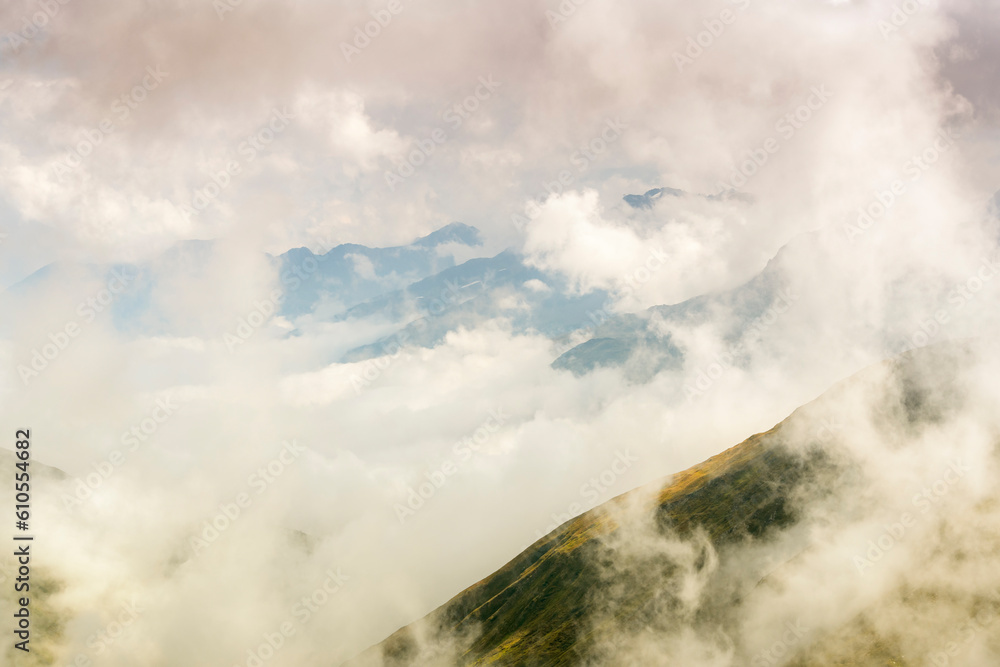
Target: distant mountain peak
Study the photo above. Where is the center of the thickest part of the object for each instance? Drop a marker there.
(455, 232)
(648, 198)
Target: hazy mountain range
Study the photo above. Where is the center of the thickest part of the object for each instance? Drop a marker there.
(716, 563)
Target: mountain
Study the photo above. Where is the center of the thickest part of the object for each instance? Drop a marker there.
(683, 566)
(758, 314)
(642, 344)
(455, 232)
(471, 293)
(350, 274)
(323, 285)
(646, 200)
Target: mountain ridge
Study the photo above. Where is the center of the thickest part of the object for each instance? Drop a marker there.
(539, 608)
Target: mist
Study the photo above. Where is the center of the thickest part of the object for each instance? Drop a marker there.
(228, 501)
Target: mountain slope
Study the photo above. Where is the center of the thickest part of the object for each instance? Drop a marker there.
(640, 337)
(536, 610)
(618, 576)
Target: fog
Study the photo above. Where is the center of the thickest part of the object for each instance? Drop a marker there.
(874, 210)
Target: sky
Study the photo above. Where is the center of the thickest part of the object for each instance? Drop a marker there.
(128, 127)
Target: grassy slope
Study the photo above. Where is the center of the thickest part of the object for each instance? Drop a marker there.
(536, 610)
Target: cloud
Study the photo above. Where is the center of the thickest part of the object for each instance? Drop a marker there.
(323, 176)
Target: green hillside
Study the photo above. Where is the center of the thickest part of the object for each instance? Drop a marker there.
(558, 602)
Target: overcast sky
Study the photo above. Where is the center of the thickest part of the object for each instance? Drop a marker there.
(126, 127)
(357, 114)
